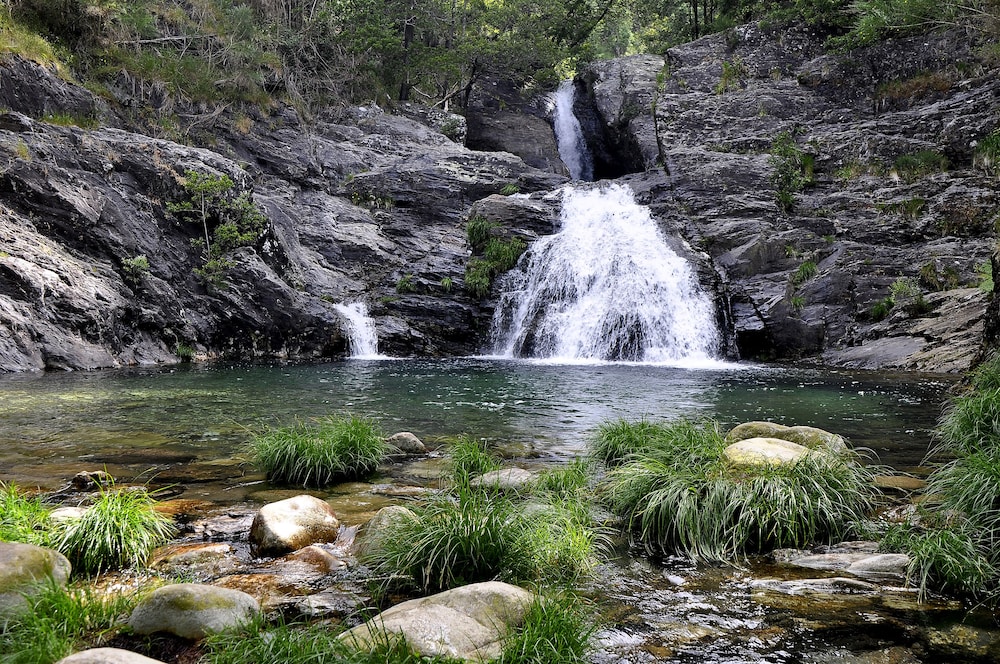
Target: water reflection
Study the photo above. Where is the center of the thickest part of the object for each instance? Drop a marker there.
(52, 423)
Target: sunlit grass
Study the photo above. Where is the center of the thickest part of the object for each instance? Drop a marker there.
(321, 452)
(469, 456)
(556, 630)
(24, 518)
(946, 558)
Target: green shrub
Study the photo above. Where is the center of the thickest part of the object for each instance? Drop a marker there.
(478, 231)
(510, 190)
(60, 622)
(971, 421)
(556, 630)
(987, 155)
(985, 272)
(914, 166)
(804, 273)
(732, 73)
(877, 19)
(118, 531)
(405, 284)
(319, 453)
(135, 268)
(23, 518)
(478, 278)
(447, 284)
(502, 255)
(945, 558)
(881, 309)
(788, 162)
(680, 496)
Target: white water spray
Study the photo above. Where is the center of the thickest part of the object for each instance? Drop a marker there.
(360, 328)
(569, 135)
(605, 287)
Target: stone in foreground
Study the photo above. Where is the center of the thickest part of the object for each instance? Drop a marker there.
(467, 623)
(505, 479)
(22, 567)
(192, 610)
(107, 656)
(289, 525)
(764, 452)
(810, 437)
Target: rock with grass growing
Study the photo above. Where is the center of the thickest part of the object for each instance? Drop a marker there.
(24, 567)
(288, 525)
(764, 451)
(192, 610)
(382, 527)
(467, 623)
(107, 656)
(811, 437)
(516, 480)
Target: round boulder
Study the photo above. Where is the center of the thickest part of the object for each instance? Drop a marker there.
(192, 610)
(288, 525)
(764, 452)
(107, 656)
(505, 479)
(24, 567)
(407, 442)
(383, 526)
(810, 437)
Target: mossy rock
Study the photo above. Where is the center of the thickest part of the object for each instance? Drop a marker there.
(23, 567)
(810, 437)
(764, 452)
(192, 610)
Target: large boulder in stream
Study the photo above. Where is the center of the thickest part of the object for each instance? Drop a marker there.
(811, 437)
(466, 623)
(291, 524)
(25, 569)
(764, 452)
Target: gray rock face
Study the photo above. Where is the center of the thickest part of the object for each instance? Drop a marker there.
(699, 125)
(23, 567)
(107, 656)
(465, 623)
(291, 524)
(192, 610)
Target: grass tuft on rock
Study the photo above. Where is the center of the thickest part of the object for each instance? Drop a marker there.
(118, 531)
(321, 452)
(470, 456)
(681, 496)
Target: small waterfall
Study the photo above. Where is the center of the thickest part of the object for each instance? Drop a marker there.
(361, 334)
(569, 135)
(605, 287)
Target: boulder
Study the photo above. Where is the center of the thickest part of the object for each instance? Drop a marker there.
(197, 560)
(291, 524)
(107, 656)
(23, 567)
(192, 610)
(810, 437)
(382, 526)
(407, 442)
(505, 479)
(861, 559)
(764, 452)
(466, 623)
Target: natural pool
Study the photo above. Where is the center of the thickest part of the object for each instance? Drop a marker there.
(186, 425)
(154, 421)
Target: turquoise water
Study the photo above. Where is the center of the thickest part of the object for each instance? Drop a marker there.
(166, 421)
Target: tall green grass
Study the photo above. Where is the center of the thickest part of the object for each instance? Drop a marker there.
(680, 496)
(944, 557)
(118, 531)
(469, 456)
(60, 622)
(319, 453)
(24, 518)
(556, 630)
(971, 421)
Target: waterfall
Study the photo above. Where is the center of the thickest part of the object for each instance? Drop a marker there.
(360, 328)
(605, 287)
(569, 135)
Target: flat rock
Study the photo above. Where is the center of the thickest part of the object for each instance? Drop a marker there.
(807, 436)
(291, 524)
(466, 623)
(764, 452)
(505, 479)
(107, 656)
(192, 610)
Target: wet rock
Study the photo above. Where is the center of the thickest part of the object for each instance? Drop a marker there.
(89, 480)
(291, 524)
(67, 514)
(963, 643)
(407, 442)
(317, 558)
(764, 452)
(330, 603)
(383, 526)
(810, 437)
(201, 561)
(228, 527)
(192, 611)
(505, 479)
(107, 656)
(902, 483)
(184, 509)
(23, 569)
(465, 623)
(861, 559)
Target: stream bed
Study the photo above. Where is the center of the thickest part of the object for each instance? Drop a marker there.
(186, 426)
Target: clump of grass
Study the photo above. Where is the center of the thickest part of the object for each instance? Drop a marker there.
(680, 496)
(913, 166)
(619, 440)
(498, 256)
(971, 421)
(118, 531)
(556, 630)
(478, 232)
(61, 621)
(792, 170)
(503, 254)
(470, 456)
(478, 278)
(804, 273)
(987, 155)
(321, 452)
(23, 518)
(985, 272)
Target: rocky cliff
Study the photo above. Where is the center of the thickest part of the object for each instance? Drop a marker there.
(831, 201)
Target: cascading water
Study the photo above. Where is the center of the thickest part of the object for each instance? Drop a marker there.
(605, 287)
(360, 328)
(569, 135)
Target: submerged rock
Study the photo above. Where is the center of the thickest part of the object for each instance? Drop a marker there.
(291, 524)
(465, 623)
(192, 610)
(24, 570)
